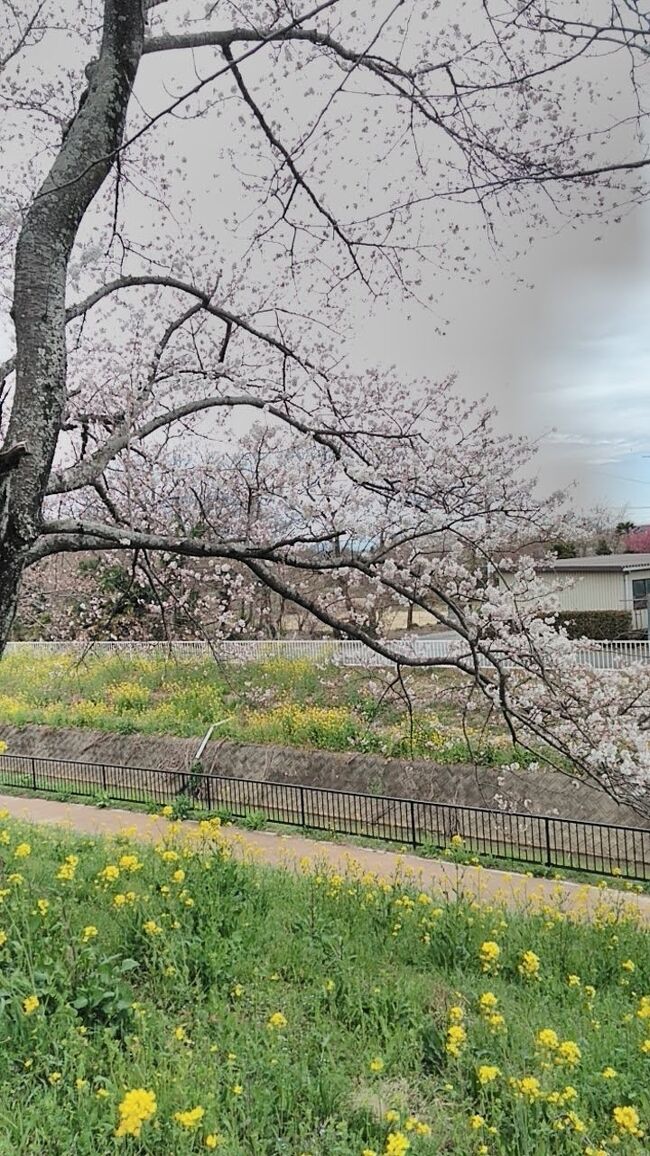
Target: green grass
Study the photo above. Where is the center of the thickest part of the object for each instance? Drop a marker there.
(290, 702)
(175, 992)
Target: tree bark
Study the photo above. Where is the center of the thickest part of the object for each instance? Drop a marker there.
(84, 160)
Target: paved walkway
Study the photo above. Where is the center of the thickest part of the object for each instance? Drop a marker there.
(510, 888)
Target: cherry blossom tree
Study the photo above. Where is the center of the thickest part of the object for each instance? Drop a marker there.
(194, 202)
(638, 541)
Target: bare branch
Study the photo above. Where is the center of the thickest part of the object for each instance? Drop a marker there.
(109, 157)
(22, 37)
(81, 308)
(93, 466)
(291, 164)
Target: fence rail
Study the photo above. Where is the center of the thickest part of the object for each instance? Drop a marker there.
(535, 839)
(599, 655)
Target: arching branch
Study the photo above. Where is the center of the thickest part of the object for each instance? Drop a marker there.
(83, 473)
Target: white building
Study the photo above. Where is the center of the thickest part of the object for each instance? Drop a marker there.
(606, 582)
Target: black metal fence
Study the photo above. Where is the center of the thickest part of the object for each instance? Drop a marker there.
(535, 839)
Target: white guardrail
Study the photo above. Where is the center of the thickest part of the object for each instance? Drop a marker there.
(599, 655)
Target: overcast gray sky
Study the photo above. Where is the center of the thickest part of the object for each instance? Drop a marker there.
(559, 340)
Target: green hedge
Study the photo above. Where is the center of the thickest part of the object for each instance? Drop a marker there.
(598, 624)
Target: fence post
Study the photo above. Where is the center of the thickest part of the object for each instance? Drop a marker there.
(34, 774)
(104, 787)
(302, 807)
(547, 836)
(414, 834)
(208, 791)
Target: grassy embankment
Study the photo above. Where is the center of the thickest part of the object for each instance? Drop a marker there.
(170, 1000)
(288, 702)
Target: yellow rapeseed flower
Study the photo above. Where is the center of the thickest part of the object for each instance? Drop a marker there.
(489, 953)
(376, 1065)
(23, 850)
(43, 906)
(487, 1073)
(412, 1124)
(190, 1119)
(643, 1010)
(528, 966)
(627, 1120)
(574, 1121)
(476, 1122)
(67, 870)
(609, 1073)
(456, 1037)
(496, 1023)
(138, 1106)
(88, 933)
(30, 1004)
(124, 899)
(568, 1053)
(547, 1038)
(277, 1020)
(396, 1144)
(212, 1140)
(528, 1087)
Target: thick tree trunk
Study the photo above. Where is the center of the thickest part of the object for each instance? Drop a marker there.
(84, 160)
(11, 569)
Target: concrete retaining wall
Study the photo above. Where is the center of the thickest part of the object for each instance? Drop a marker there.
(537, 792)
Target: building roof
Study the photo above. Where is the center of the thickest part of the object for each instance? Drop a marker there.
(596, 562)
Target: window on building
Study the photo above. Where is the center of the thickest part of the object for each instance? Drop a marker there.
(640, 592)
